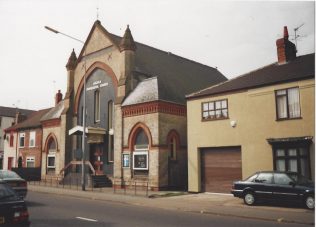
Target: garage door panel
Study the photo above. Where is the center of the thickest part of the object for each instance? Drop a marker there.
(219, 168)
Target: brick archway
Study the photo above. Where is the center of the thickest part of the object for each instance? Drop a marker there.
(50, 137)
(133, 133)
(90, 70)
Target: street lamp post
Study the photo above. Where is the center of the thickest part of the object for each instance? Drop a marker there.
(83, 183)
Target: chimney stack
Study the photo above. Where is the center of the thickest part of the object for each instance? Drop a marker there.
(19, 117)
(58, 97)
(286, 50)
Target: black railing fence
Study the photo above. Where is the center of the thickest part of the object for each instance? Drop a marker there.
(137, 188)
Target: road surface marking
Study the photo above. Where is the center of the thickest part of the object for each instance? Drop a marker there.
(87, 219)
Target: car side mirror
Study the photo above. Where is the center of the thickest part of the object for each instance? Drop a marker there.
(292, 183)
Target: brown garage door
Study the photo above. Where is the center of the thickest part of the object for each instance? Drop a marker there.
(219, 168)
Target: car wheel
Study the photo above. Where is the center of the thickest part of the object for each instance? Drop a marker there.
(249, 198)
(310, 202)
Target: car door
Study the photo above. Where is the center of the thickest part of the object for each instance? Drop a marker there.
(283, 189)
(263, 185)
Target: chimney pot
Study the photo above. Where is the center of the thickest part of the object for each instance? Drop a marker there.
(58, 97)
(285, 33)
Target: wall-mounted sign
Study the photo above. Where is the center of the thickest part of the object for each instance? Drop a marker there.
(96, 85)
(140, 160)
(125, 160)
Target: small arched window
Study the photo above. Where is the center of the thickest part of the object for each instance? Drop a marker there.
(173, 148)
(141, 140)
(51, 144)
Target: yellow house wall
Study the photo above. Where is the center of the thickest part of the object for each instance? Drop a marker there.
(255, 113)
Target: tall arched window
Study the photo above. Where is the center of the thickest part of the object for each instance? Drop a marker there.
(173, 142)
(140, 154)
(173, 148)
(97, 106)
(51, 156)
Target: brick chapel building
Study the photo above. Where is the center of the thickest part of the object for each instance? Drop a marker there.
(135, 110)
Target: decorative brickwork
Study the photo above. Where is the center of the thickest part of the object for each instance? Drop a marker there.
(154, 107)
(51, 123)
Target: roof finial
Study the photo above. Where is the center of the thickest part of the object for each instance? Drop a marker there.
(97, 13)
(127, 42)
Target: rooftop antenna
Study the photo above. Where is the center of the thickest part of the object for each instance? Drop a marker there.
(296, 36)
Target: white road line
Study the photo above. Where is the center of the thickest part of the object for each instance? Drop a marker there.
(87, 219)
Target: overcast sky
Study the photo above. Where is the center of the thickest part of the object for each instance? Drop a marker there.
(236, 37)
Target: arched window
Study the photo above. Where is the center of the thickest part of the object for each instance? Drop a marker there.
(140, 154)
(173, 142)
(141, 140)
(51, 156)
(97, 106)
(173, 148)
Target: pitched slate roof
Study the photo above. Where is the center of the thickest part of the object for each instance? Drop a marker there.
(146, 91)
(177, 76)
(54, 112)
(303, 67)
(33, 121)
(10, 112)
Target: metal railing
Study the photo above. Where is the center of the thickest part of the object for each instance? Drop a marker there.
(132, 187)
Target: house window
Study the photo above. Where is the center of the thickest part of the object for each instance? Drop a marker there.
(140, 160)
(295, 159)
(51, 162)
(288, 103)
(11, 140)
(215, 110)
(32, 139)
(97, 106)
(21, 139)
(0, 121)
(30, 162)
(110, 134)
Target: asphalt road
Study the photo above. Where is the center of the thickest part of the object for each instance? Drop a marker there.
(59, 211)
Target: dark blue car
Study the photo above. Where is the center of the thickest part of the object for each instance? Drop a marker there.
(13, 210)
(276, 186)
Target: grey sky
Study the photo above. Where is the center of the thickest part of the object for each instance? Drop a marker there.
(235, 37)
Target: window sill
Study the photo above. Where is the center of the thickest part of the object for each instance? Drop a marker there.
(288, 119)
(215, 119)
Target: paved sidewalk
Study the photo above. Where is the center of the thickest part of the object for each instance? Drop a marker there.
(204, 203)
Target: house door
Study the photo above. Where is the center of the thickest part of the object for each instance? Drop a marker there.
(96, 156)
(10, 161)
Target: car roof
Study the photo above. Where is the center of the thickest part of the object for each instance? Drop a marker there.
(276, 171)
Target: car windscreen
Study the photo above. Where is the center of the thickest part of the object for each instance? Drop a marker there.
(299, 179)
(8, 174)
(6, 191)
(251, 178)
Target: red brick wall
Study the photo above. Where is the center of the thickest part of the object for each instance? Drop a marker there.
(27, 151)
